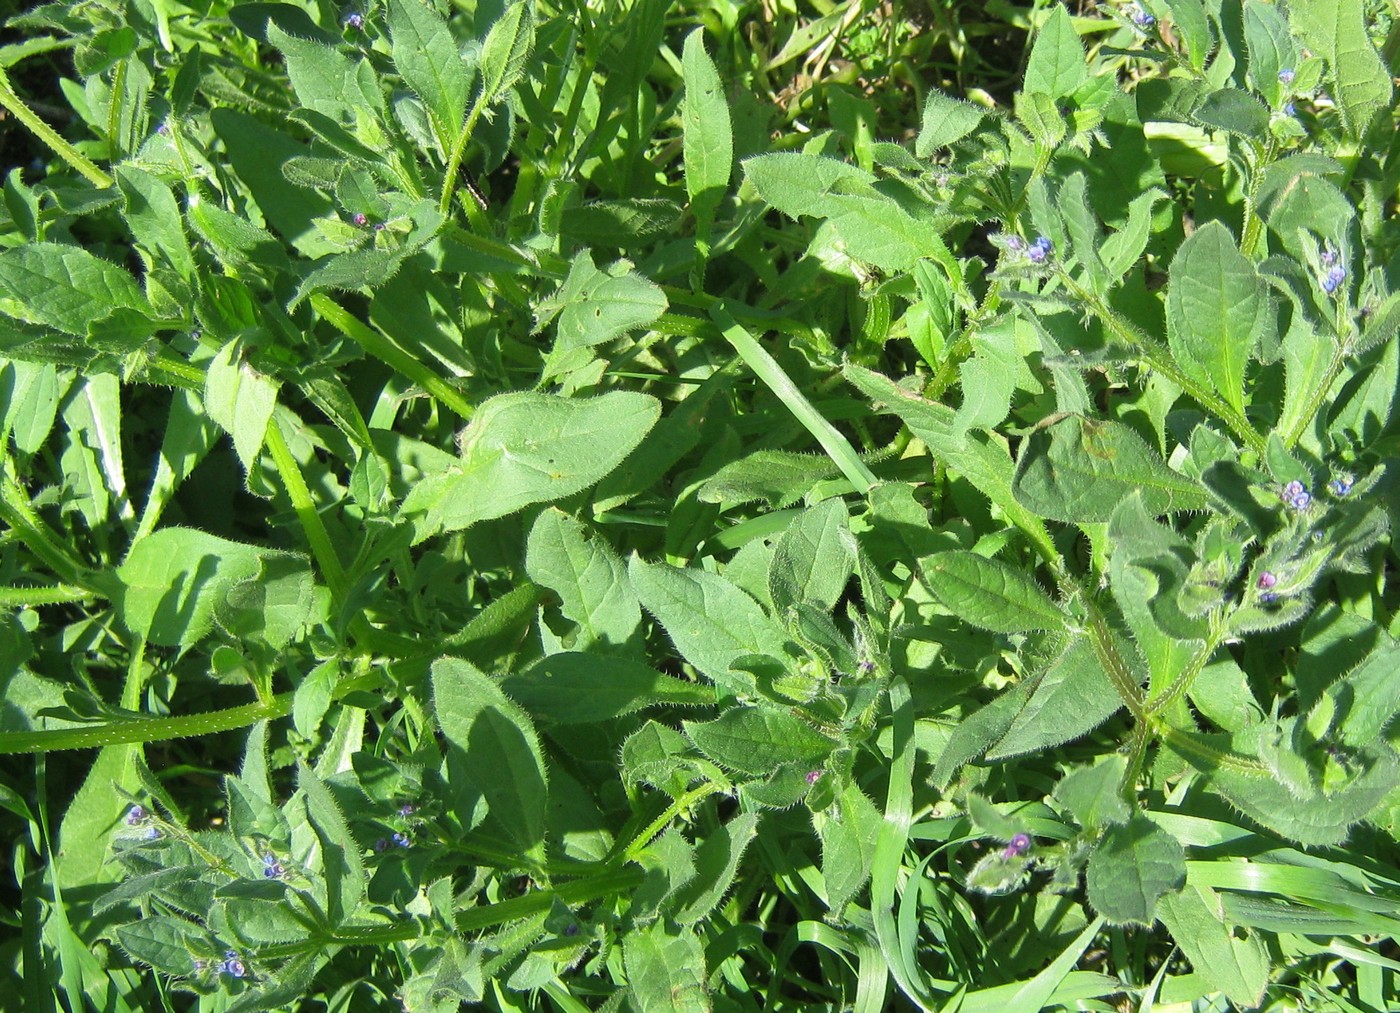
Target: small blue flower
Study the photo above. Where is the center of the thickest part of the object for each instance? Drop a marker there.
(354, 20)
(233, 966)
(1140, 17)
(1286, 75)
(1332, 280)
(1268, 598)
(136, 815)
(1341, 485)
(151, 834)
(403, 840)
(1040, 250)
(1296, 495)
(1328, 256)
(1290, 109)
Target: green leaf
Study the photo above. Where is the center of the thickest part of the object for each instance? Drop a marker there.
(173, 580)
(506, 49)
(990, 594)
(1056, 66)
(162, 942)
(271, 607)
(1123, 249)
(716, 864)
(64, 287)
(1270, 50)
(777, 477)
(755, 740)
(1193, 26)
(1134, 864)
(1217, 310)
(525, 448)
(239, 400)
(799, 184)
(1093, 794)
(814, 558)
(326, 80)
(1234, 111)
(848, 832)
(1336, 31)
(708, 135)
(665, 972)
(945, 121)
(339, 854)
(1367, 699)
(1079, 470)
(591, 581)
(427, 58)
(595, 306)
(711, 622)
(257, 153)
(493, 754)
(154, 217)
(1074, 697)
(982, 458)
(1230, 960)
(571, 688)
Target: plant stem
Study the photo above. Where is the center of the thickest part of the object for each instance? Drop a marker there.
(49, 136)
(1159, 358)
(144, 729)
(459, 148)
(305, 508)
(390, 354)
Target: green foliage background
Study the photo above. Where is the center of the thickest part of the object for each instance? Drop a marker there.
(634, 505)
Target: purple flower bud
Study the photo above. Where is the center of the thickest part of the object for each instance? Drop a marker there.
(1015, 244)
(380, 226)
(572, 930)
(866, 667)
(1286, 75)
(1290, 109)
(360, 219)
(381, 845)
(813, 776)
(1328, 256)
(162, 130)
(1333, 279)
(1016, 847)
(1266, 580)
(1268, 598)
(407, 809)
(354, 20)
(1341, 485)
(1140, 17)
(136, 815)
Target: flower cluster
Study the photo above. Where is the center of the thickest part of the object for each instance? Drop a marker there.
(1295, 495)
(354, 20)
(139, 818)
(1140, 17)
(1037, 252)
(1267, 580)
(272, 868)
(1286, 75)
(232, 965)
